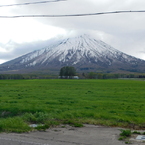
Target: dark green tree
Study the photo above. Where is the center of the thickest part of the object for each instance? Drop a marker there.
(67, 72)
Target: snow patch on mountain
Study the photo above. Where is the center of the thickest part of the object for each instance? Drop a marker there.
(79, 51)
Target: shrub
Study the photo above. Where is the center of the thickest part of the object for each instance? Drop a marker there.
(136, 132)
(125, 133)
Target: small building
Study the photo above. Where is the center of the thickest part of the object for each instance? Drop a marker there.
(75, 77)
(68, 77)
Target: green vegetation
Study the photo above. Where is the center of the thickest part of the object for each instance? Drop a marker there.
(74, 102)
(94, 75)
(71, 71)
(126, 134)
(136, 132)
(67, 71)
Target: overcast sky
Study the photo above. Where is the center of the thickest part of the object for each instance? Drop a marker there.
(125, 32)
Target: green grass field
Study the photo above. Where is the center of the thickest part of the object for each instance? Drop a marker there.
(75, 102)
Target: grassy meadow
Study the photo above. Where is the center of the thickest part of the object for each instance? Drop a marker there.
(74, 102)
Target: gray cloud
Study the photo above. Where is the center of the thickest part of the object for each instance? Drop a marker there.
(125, 32)
(21, 49)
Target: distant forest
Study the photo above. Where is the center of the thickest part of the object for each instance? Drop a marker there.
(90, 75)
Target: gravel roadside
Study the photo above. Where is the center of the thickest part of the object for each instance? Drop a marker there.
(88, 135)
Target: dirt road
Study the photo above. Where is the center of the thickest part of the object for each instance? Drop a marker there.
(88, 135)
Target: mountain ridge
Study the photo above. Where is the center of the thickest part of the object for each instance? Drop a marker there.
(82, 52)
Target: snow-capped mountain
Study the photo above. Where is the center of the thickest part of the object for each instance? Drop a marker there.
(83, 52)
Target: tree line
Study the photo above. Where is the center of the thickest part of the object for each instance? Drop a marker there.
(68, 72)
(27, 76)
(90, 75)
(94, 75)
(11, 76)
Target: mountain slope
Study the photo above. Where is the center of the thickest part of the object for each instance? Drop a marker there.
(83, 52)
